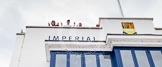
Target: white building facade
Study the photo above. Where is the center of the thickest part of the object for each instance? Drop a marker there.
(118, 42)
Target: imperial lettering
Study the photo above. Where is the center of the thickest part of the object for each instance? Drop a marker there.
(76, 38)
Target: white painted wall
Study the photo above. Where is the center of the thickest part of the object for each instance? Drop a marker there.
(33, 52)
(17, 53)
(34, 43)
(158, 31)
(113, 25)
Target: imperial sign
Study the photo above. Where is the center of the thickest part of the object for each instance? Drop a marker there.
(76, 38)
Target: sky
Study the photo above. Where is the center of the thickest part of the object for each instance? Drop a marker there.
(17, 14)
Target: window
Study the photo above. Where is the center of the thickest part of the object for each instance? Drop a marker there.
(90, 61)
(81, 59)
(138, 56)
(75, 60)
(60, 60)
(105, 61)
(157, 58)
(127, 58)
(119, 57)
(142, 58)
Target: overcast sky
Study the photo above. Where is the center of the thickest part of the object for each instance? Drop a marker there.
(16, 14)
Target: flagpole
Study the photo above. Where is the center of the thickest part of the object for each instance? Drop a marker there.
(120, 7)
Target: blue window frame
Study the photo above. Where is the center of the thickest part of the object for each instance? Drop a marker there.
(84, 59)
(119, 57)
(147, 55)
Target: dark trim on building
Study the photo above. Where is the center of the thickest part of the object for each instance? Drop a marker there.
(98, 60)
(125, 18)
(150, 59)
(83, 64)
(64, 27)
(119, 62)
(71, 41)
(67, 60)
(158, 28)
(135, 48)
(134, 58)
(136, 34)
(52, 59)
(20, 33)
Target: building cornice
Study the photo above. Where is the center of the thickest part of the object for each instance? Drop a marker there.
(125, 18)
(158, 28)
(64, 27)
(20, 33)
(135, 34)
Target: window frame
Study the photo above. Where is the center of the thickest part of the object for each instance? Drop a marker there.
(83, 53)
(132, 49)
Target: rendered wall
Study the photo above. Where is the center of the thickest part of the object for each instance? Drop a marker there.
(17, 53)
(113, 25)
(33, 53)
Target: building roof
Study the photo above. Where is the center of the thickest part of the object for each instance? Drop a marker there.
(125, 18)
(64, 27)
